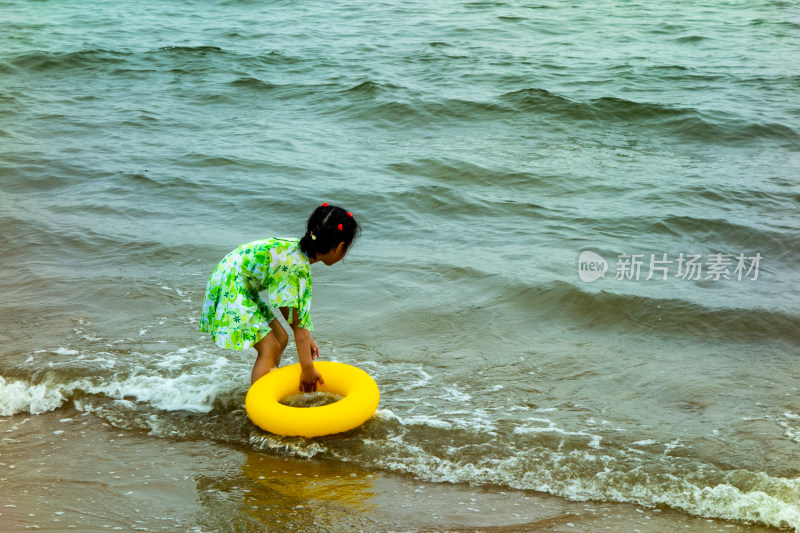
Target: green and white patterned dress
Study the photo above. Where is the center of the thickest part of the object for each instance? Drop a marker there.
(234, 313)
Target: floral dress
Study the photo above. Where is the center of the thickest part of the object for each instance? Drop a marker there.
(234, 313)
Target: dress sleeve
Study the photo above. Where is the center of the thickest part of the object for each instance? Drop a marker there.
(304, 302)
(293, 290)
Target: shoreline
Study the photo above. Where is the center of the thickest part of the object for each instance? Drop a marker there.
(70, 470)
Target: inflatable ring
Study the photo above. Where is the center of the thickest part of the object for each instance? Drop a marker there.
(360, 401)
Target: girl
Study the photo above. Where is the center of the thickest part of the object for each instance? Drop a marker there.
(237, 318)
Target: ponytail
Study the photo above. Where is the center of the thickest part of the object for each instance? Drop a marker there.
(327, 226)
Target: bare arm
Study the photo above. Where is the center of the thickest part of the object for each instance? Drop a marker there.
(307, 351)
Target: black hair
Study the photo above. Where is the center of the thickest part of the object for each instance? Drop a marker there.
(323, 233)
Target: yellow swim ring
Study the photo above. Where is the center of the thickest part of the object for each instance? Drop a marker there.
(360, 401)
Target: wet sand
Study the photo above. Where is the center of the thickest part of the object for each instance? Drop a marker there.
(69, 470)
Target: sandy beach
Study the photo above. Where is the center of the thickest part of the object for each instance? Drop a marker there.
(69, 470)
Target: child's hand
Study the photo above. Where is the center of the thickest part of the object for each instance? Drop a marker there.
(314, 350)
(309, 379)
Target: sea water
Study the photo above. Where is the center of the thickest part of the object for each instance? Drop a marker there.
(578, 267)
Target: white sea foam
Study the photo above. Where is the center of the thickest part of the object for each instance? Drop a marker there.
(770, 501)
(790, 422)
(424, 420)
(22, 397)
(172, 381)
(296, 447)
(456, 395)
(594, 440)
(189, 379)
(424, 379)
(411, 376)
(611, 472)
(190, 392)
(474, 421)
(385, 414)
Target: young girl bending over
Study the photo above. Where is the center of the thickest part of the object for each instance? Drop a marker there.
(237, 318)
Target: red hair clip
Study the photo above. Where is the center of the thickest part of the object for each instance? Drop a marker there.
(340, 227)
(324, 204)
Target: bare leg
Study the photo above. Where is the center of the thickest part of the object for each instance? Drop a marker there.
(269, 351)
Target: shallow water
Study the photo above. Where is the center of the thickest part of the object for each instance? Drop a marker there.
(86, 475)
(484, 147)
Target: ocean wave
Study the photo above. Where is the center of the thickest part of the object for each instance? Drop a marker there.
(735, 198)
(19, 396)
(480, 193)
(721, 235)
(691, 39)
(368, 90)
(69, 238)
(649, 315)
(613, 309)
(461, 174)
(46, 61)
(212, 161)
(180, 59)
(254, 83)
(193, 50)
(577, 465)
(6, 69)
(727, 233)
(379, 103)
(190, 393)
(207, 59)
(414, 111)
(687, 122)
(173, 381)
(558, 474)
(385, 103)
